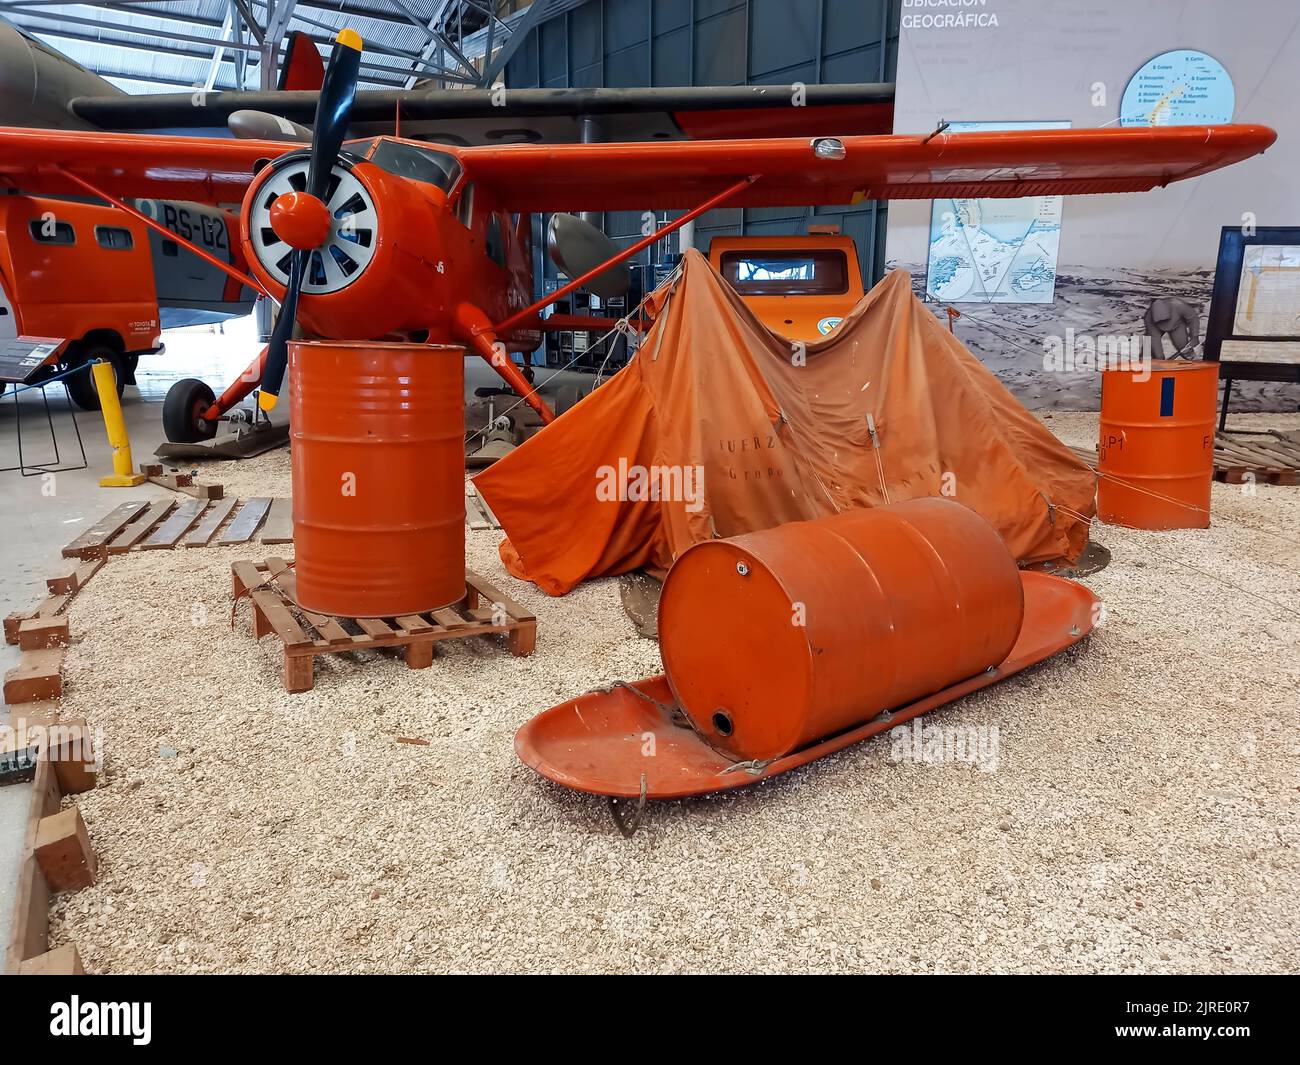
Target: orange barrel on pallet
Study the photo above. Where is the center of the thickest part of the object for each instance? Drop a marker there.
(378, 462)
(1155, 455)
(775, 639)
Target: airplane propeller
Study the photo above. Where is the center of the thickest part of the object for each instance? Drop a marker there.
(301, 219)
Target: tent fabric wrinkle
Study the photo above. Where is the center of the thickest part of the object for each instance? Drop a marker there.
(719, 426)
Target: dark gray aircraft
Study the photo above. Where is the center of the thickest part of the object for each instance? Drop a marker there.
(40, 87)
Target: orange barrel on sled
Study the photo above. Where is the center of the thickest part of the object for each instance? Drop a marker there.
(1156, 450)
(378, 460)
(775, 639)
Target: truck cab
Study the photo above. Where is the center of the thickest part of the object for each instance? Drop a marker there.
(800, 287)
(81, 273)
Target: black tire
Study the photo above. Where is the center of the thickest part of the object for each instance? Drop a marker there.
(81, 386)
(186, 401)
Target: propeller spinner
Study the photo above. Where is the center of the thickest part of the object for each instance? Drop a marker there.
(301, 219)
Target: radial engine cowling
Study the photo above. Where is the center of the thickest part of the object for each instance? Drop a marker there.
(362, 282)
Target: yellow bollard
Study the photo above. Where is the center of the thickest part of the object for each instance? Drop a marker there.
(111, 407)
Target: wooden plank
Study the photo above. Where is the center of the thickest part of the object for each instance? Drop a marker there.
(52, 605)
(94, 541)
(85, 571)
(494, 595)
(414, 624)
(63, 583)
(448, 618)
(173, 481)
(36, 634)
(280, 569)
(177, 525)
(38, 675)
(278, 617)
(13, 622)
(522, 639)
(29, 932)
(140, 528)
(487, 510)
(331, 632)
(278, 527)
(474, 516)
(204, 491)
(207, 528)
(419, 654)
(245, 577)
(184, 482)
(71, 581)
(374, 627)
(245, 522)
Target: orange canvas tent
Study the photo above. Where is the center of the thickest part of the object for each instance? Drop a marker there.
(719, 426)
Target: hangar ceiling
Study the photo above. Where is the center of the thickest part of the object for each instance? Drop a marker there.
(145, 46)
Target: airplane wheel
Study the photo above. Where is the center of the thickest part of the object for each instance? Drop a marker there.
(183, 421)
(81, 386)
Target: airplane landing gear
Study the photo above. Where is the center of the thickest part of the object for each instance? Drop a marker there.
(183, 421)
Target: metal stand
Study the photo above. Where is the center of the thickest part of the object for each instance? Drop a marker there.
(1227, 398)
(38, 468)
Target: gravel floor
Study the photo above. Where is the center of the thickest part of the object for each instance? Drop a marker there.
(1142, 817)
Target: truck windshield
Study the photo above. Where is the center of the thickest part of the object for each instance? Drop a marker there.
(816, 272)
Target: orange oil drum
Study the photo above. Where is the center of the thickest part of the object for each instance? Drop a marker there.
(378, 476)
(775, 639)
(1156, 451)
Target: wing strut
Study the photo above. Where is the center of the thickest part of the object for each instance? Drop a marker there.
(140, 216)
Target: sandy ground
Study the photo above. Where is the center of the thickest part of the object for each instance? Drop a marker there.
(1142, 816)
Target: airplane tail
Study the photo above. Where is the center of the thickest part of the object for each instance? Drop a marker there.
(303, 68)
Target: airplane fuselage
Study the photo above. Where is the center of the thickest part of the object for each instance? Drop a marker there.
(412, 241)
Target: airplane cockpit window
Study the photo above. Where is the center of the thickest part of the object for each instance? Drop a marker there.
(114, 237)
(45, 231)
(786, 273)
(418, 164)
(360, 149)
(494, 245)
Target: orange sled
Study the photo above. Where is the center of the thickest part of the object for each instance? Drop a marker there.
(601, 742)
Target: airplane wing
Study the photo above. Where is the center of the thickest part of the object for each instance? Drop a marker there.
(201, 169)
(483, 116)
(806, 171)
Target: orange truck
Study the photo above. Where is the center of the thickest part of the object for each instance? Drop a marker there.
(800, 287)
(94, 278)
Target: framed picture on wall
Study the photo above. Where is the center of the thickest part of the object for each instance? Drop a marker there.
(1254, 325)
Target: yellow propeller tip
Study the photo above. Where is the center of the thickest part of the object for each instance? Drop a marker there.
(350, 38)
(267, 401)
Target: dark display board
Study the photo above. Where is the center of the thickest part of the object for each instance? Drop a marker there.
(1256, 300)
(22, 357)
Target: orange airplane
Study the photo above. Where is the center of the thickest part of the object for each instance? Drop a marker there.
(389, 238)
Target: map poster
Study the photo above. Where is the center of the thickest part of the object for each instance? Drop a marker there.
(1268, 297)
(1027, 274)
(994, 251)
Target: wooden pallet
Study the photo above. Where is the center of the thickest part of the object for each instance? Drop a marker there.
(270, 585)
(1266, 459)
(198, 522)
(1274, 458)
